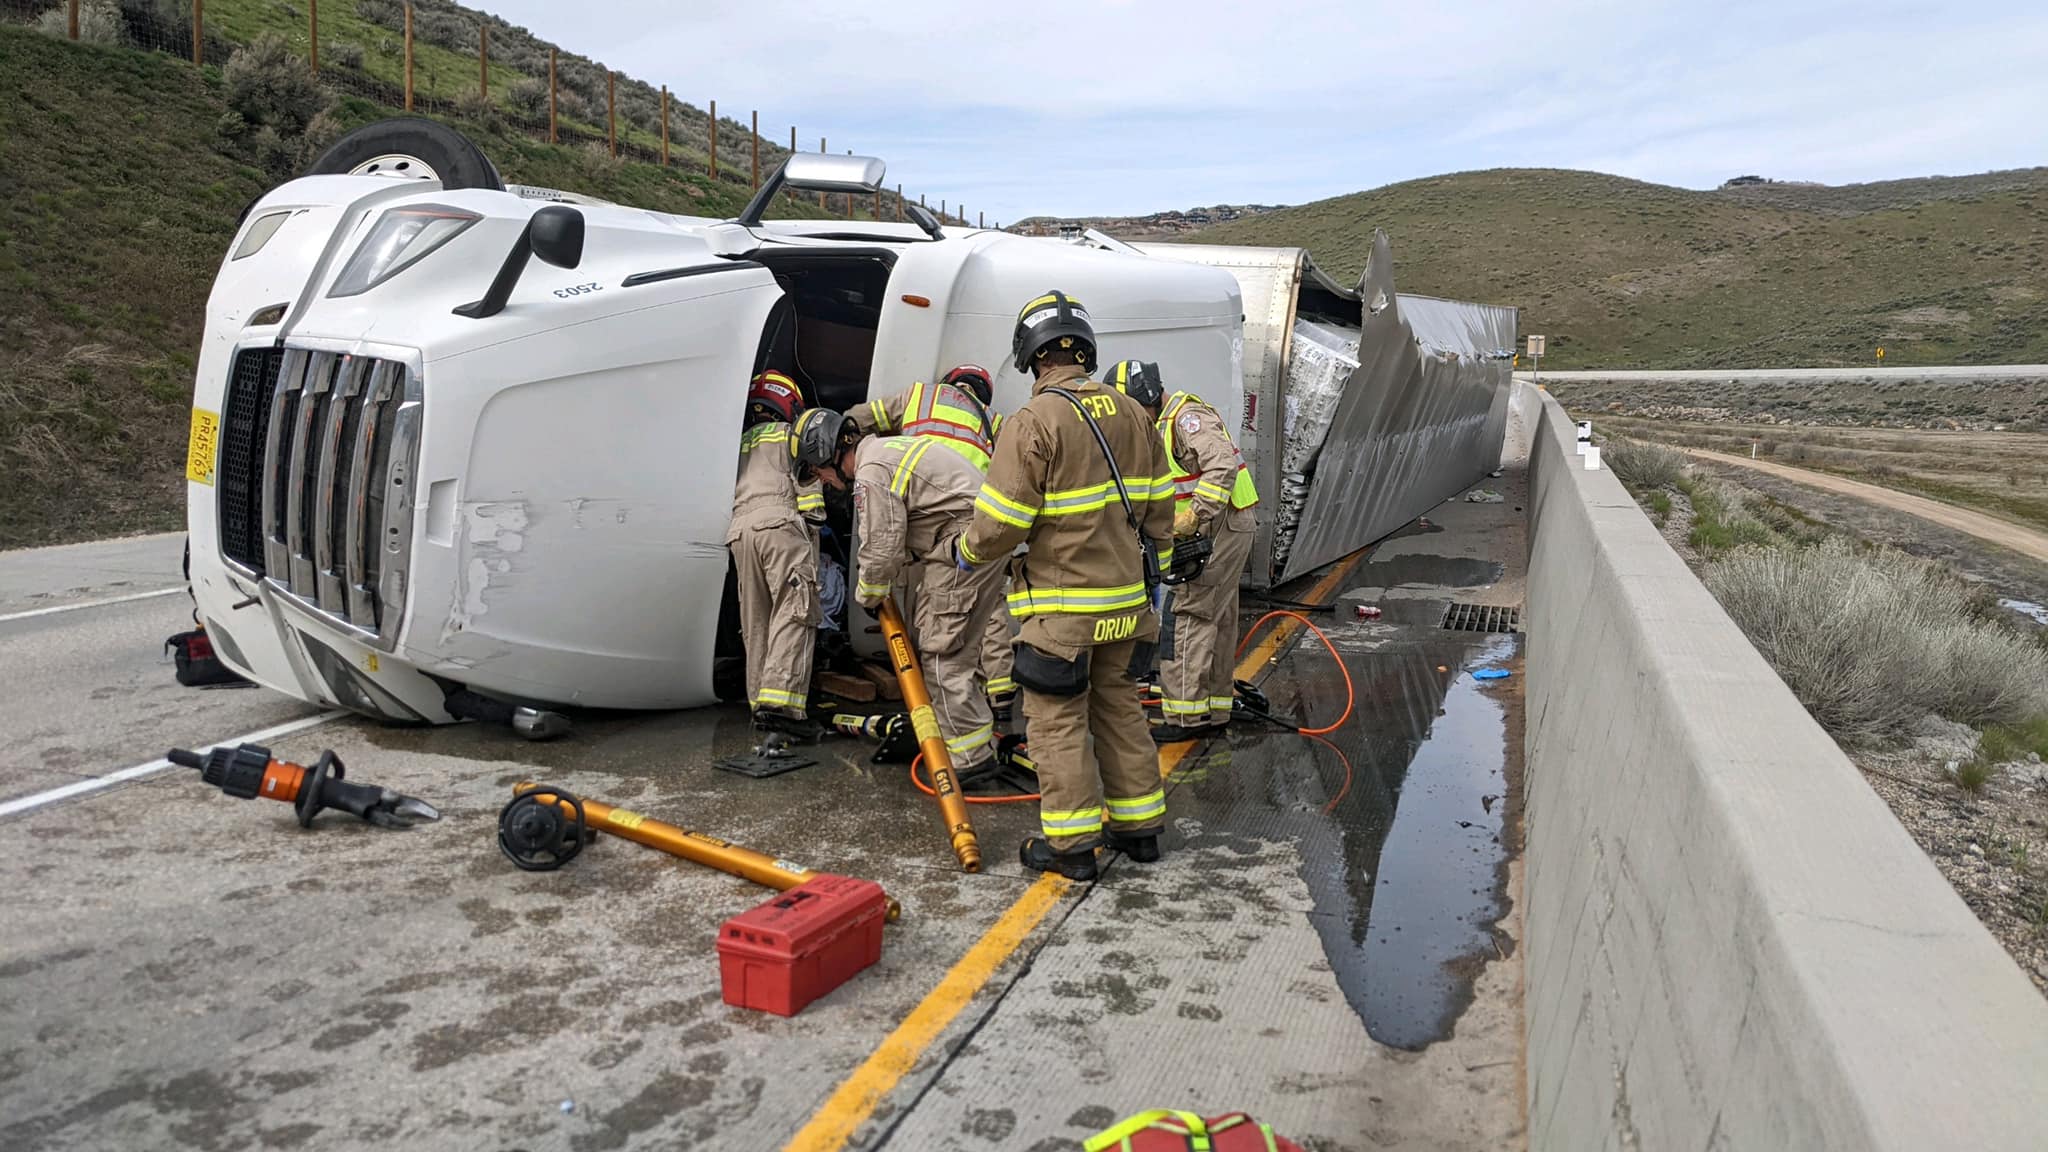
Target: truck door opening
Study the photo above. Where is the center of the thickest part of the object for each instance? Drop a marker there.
(821, 335)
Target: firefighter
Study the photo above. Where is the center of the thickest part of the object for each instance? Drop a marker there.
(774, 544)
(955, 410)
(1214, 497)
(1081, 592)
(912, 499)
(958, 412)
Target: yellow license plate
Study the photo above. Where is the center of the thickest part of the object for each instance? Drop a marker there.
(200, 450)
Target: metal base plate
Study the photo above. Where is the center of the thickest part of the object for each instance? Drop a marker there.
(761, 767)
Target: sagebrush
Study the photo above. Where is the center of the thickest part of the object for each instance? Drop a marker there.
(1873, 640)
(1641, 464)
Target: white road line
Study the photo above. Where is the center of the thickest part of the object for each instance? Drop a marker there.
(154, 766)
(53, 610)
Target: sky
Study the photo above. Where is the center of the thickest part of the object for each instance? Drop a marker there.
(1134, 106)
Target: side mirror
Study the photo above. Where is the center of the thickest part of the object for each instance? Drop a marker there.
(556, 233)
(923, 218)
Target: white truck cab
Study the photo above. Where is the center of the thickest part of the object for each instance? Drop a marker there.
(476, 438)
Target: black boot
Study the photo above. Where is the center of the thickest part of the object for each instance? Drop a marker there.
(1171, 733)
(1038, 856)
(803, 728)
(1141, 847)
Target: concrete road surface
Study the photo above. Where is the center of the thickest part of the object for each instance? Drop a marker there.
(2017, 537)
(1331, 941)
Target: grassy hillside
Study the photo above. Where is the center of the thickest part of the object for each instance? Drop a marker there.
(1621, 273)
(120, 201)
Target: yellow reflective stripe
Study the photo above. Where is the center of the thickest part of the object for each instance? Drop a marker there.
(1068, 501)
(1223, 703)
(866, 589)
(880, 412)
(967, 553)
(900, 483)
(809, 501)
(1144, 807)
(1157, 488)
(1217, 491)
(761, 434)
(968, 742)
(1003, 508)
(1184, 707)
(780, 697)
(1032, 601)
(1000, 685)
(1078, 822)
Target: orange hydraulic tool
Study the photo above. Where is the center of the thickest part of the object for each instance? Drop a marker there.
(937, 760)
(626, 824)
(248, 771)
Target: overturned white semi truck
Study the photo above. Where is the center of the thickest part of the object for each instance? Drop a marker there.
(454, 441)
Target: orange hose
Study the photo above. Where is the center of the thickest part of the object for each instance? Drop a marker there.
(1350, 698)
(927, 789)
(1350, 694)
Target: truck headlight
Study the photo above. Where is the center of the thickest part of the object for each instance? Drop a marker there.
(402, 238)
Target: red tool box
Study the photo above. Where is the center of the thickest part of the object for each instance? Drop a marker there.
(802, 944)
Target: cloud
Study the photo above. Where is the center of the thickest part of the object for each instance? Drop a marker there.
(1134, 106)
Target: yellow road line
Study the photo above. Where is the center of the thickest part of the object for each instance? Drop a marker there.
(856, 1098)
(848, 1108)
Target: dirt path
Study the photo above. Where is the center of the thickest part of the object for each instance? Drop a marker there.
(2004, 533)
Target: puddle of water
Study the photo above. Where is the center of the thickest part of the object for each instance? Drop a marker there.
(2026, 608)
(1402, 852)
(1423, 570)
(1437, 893)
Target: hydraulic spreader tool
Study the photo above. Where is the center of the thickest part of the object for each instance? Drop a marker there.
(248, 771)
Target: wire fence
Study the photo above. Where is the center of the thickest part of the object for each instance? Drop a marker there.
(436, 58)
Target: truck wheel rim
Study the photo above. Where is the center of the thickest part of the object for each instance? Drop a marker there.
(396, 164)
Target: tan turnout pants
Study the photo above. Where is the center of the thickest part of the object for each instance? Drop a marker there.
(997, 659)
(1196, 685)
(1074, 799)
(949, 621)
(778, 577)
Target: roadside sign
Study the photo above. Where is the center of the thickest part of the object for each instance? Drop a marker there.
(1536, 346)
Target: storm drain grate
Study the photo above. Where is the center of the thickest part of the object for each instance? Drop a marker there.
(1482, 618)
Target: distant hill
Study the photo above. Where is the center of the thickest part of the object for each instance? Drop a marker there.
(1620, 273)
(1157, 226)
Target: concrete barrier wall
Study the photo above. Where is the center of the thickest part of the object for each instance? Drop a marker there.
(1731, 941)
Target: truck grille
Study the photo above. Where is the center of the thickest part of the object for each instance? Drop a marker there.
(245, 417)
(316, 460)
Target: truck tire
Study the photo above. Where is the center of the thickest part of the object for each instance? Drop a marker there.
(412, 147)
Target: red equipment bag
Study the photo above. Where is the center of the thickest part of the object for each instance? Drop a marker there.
(1165, 1130)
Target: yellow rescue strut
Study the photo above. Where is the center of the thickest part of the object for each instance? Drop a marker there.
(937, 760)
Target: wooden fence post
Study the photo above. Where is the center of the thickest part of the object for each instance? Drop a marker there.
(198, 31)
(408, 57)
(551, 94)
(611, 111)
(483, 62)
(714, 139)
(74, 19)
(756, 134)
(824, 198)
(664, 125)
(981, 219)
(899, 203)
(313, 33)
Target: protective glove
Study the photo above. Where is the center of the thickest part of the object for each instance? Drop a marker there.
(1184, 521)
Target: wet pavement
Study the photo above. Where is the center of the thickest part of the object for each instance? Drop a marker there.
(1330, 942)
